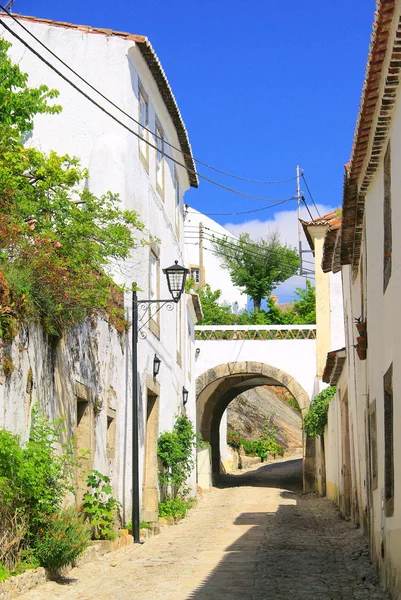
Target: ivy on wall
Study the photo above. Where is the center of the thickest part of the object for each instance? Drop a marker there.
(315, 419)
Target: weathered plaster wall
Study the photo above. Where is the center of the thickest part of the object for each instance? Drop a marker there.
(383, 326)
(111, 154)
(89, 360)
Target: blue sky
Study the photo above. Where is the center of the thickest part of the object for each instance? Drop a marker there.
(262, 85)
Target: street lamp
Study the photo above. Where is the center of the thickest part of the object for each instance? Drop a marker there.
(156, 365)
(185, 394)
(176, 276)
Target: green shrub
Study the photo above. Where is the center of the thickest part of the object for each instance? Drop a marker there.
(175, 449)
(175, 507)
(316, 418)
(62, 539)
(4, 573)
(34, 479)
(100, 508)
(233, 440)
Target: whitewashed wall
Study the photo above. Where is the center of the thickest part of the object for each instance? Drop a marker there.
(114, 66)
(217, 277)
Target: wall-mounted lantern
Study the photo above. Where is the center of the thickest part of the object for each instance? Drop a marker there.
(185, 395)
(156, 365)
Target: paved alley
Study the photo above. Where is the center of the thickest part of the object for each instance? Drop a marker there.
(256, 538)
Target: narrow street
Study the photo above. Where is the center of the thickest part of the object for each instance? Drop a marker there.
(256, 537)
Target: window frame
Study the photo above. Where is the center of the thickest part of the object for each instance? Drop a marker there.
(143, 129)
(154, 314)
(160, 166)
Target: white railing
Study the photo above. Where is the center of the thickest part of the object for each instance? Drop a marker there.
(254, 332)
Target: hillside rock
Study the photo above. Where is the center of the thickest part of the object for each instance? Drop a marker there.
(247, 412)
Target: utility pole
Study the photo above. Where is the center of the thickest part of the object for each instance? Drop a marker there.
(299, 216)
(201, 269)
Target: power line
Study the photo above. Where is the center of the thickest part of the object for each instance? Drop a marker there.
(282, 264)
(131, 117)
(245, 212)
(233, 242)
(310, 194)
(306, 206)
(235, 248)
(53, 68)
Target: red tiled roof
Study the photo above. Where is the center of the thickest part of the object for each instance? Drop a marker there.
(155, 67)
(334, 366)
(332, 221)
(373, 123)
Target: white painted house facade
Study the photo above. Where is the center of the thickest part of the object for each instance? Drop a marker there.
(362, 438)
(204, 263)
(124, 68)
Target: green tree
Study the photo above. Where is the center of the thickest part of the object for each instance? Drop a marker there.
(257, 266)
(57, 239)
(305, 307)
(213, 312)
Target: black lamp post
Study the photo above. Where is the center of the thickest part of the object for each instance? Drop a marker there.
(176, 276)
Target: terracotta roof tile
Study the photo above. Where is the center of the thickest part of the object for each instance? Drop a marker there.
(332, 221)
(154, 65)
(374, 119)
(334, 365)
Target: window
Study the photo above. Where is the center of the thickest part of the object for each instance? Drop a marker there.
(177, 203)
(154, 291)
(111, 434)
(144, 124)
(387, 249)
(195, 274)
(388, 443)
(160, 159)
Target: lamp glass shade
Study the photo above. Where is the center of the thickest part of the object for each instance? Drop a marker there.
(156, 365)
(185, 394)
(176, 277)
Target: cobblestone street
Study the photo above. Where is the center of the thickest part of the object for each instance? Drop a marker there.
(255, 538)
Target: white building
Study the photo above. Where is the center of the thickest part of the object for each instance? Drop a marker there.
(362, 444)
(204, 263)
(126, 69)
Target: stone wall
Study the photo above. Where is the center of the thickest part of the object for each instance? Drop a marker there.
(80, 378)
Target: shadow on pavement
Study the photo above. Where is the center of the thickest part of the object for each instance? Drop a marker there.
(283, 474)
(279, 554)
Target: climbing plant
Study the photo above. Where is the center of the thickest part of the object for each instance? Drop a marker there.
(315, 419)
(175, 449)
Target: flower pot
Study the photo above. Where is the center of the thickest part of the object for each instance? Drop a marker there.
(361, 327)
(362, 341)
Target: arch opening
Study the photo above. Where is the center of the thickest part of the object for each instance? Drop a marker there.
(218, 387)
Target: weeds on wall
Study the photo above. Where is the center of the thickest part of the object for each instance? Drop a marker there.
(100, 508)
(315, 419)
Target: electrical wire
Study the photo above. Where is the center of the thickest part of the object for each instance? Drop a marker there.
(234, 248)
(229, 240)
(204, 164)
(310, 194)
(245, 212)
(177, 162)
(307, 207)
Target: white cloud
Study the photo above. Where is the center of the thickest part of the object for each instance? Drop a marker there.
(286, 224)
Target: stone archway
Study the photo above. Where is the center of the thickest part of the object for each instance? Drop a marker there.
(217, 387)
